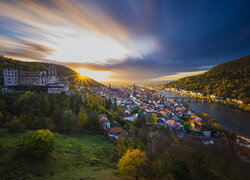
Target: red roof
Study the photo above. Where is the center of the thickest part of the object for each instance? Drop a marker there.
(101, 116)
(115, 130)
(103, 121)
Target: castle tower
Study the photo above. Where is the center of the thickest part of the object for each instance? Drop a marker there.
(52, 74)
(52, 70)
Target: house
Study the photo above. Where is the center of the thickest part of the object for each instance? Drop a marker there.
(129, 118)
(102, 117)
(206, 132)
(105, 124)
(172, 125)
(196, 118)
(160, 116)
(207, 141)
(104, 121)
(213, 96)
(196, 125)
(114, 132)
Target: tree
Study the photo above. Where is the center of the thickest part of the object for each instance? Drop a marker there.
(132, 162)
(70, 121)
(121, 146)
(15, 125)
(154, 116)
(187, 127)
(1, 118)
(40, 143)
(82, 118)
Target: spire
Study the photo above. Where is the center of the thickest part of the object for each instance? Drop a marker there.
(134, 93)
(109, 85)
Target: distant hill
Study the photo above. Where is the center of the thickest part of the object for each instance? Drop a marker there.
(41, 66)
(231, 79)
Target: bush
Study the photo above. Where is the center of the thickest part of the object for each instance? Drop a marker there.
(40, 143)
(15, 126)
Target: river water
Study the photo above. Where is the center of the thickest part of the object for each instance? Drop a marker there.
(229, 118)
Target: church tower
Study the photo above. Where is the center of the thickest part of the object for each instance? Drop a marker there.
(134, 93)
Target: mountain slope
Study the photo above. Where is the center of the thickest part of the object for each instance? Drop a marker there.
(41, 66)
(229, 79)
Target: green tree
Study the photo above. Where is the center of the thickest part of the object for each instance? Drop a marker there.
(15, 125)
(187, 127)
(82, 118)
(70, 121)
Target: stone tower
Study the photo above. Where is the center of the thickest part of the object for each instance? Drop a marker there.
(52, 74)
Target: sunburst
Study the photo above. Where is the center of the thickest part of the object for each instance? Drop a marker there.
(81, 80)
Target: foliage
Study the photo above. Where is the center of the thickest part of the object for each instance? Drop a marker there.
(154, 117)
(93, 123)
(69, 122)
(122, 146)
(15, 125)
(229, 79)
(132, 162)
(82, 118)
(40, 143)
(1, 118)
(187, 126)
(71, 158)
(172, 158)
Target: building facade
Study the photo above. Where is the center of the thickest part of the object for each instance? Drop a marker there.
(55, 82)
(52, 74)
(38, 78)
(11, 77)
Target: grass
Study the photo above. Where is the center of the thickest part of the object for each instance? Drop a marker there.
(75, 157)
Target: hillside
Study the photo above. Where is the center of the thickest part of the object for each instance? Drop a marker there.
(229, 79)
(75, 157)
(41, 66)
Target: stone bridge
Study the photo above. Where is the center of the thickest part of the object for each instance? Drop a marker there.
(187, 99)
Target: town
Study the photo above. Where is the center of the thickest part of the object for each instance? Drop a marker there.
(139, 101)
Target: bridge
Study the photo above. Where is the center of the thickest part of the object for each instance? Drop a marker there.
(187, 99)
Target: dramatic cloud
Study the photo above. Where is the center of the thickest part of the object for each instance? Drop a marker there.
(129, 39)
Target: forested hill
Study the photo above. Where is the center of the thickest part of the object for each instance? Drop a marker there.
(231, 79)
(41, 66)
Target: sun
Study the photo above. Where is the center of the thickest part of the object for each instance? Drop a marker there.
(96, 75)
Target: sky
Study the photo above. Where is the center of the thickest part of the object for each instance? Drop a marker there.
(132, 40)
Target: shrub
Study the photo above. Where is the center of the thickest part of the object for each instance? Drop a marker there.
(15, 126)
(40, 143)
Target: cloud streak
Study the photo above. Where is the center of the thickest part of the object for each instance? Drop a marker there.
(131, 39)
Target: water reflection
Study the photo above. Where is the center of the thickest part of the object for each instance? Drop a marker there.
(229, 118)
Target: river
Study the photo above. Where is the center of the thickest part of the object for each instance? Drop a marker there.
(229, 118)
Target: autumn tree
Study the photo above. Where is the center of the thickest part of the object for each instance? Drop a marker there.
(132, 162)
(154, 116)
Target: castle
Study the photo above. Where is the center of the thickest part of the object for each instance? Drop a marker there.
(51, 79)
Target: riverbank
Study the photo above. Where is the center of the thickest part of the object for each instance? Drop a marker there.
(228, 118)
(222, 101)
